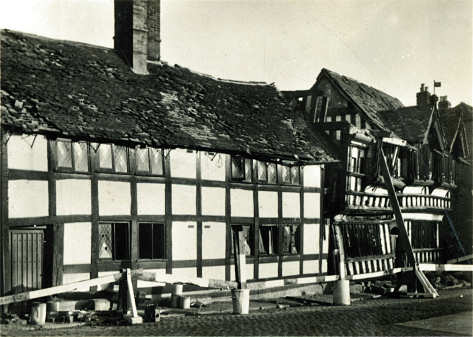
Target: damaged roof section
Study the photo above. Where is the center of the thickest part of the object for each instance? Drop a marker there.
(368, 99)
(410, 123)
(86, 92)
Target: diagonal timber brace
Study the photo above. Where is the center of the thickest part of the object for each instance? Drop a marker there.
(402, 228)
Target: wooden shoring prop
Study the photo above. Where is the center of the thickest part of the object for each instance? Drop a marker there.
(461, 259)
(29, 295)
(133, 317)
(169, 278)
(341, 251)
(402, 228)
(239, 256)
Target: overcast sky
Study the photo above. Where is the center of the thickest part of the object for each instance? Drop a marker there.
(393, 45)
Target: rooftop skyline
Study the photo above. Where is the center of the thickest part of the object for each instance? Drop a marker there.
(392, 45)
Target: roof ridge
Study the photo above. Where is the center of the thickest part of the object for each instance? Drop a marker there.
(260, 83)
(46, 38)
(359, 82)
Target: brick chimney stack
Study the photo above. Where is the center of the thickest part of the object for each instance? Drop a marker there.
(137, 32)
(423, 96)
(444, 104)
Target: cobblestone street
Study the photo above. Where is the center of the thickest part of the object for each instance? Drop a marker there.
(371, 317)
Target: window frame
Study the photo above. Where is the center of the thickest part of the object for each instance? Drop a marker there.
(297, 239)
(150, 169)
(276, 240)
(113, 224)
(289, 168)
(113, 168)
(153, 224)
(243, 163)
(251, 236)
(73, 158)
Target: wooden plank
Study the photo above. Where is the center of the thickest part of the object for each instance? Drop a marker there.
(58, 254)
(131, 293)
(395, 206)
(169, 278)
(29, 295)
(445, 267)
(94, 246)
(168, 212)
(301, 225)
(198, 208)
(461, 259)
(5, 277)
(256, 229)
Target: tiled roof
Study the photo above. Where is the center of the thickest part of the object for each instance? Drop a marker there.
(410, 123)
(451, 119)
(368, 99)
(86, 92)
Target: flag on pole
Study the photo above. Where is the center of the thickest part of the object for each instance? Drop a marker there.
(437, 84)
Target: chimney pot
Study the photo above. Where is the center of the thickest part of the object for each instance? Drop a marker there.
(423, 96)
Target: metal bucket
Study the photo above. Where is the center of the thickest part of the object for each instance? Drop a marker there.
(38, 313)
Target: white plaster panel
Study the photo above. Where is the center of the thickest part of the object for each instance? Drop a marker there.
(249, 271)
(241, 202)
(215, 272)
(114, 198)
(311, 238)
(24, 157)
(268, 204)
(325, 241)
(268, 270)
(290, 268)
(183, 199)
(184, 240)
(311, 205)
(213, 200)
(213, 240)
(291, 205)
(73, 196)
(76, 277)
(186, 273)
(422, 216)
(150, 198)
(27, 198)
(212, 167)
(311, 267)
(312, 175)
(77, 242)
(183, 163)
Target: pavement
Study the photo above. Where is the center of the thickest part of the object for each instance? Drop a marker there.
(448, 315)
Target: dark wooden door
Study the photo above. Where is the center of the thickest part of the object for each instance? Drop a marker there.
(26, 252)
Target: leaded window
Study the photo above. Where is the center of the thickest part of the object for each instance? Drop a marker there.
(241, 169)
(149, 161)
(113, 158)
(72, 156)
(114, 241)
